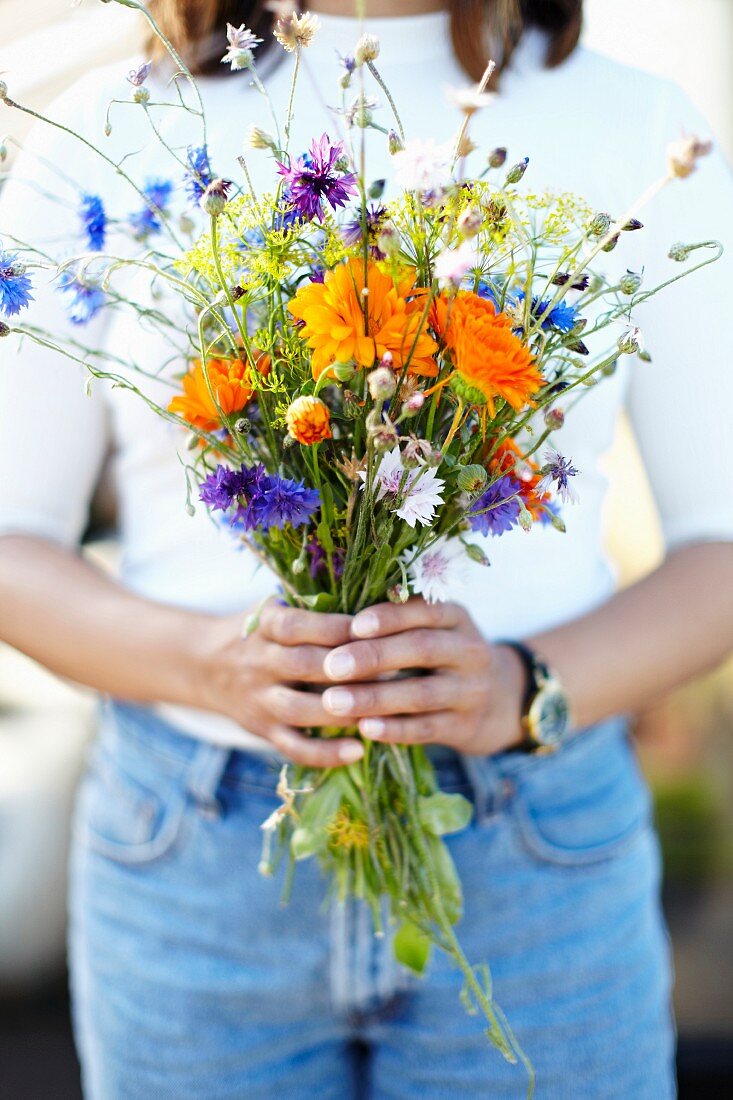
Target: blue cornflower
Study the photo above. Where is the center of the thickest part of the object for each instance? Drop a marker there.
(85, 298)
(94, 221)
(149, 220)
(15, 285)
(562, 317)
(199, 174)
(558, 470)
(279, 501)
(226, 487)
(502, 501)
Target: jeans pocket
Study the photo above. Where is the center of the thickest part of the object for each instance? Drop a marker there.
(128, 811)
(584, 804)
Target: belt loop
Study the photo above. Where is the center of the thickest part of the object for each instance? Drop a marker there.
(206, 773)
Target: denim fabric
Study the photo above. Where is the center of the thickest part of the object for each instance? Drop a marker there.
(191, 981)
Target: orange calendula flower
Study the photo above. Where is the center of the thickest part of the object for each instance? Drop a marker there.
(308, 420)
(489, 359)
(508, 458)
(334, 325)
(229, 387)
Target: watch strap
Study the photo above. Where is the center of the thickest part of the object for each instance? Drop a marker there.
(535, 672)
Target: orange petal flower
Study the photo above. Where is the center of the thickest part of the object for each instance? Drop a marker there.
(335, 328)
(509, 458)
(490, 360)
(229, 382)
(308, 420)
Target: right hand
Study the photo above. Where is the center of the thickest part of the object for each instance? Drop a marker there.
(256, 680)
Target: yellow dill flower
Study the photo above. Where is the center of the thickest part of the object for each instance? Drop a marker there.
(345, 832)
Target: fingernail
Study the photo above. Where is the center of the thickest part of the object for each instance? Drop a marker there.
(338, 700)
(338, 665)
(365, 624)
(372, 727)
(350, 753)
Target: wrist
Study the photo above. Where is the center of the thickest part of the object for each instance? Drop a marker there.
(510, 674)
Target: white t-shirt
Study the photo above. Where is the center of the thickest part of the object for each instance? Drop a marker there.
(591, 126)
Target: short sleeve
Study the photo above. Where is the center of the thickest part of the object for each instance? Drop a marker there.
(53, 433)
(680, 405)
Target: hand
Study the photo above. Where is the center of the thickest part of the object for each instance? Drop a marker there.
(470, 700)
(254, 680)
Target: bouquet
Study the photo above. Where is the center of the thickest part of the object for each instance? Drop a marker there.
(373, 387)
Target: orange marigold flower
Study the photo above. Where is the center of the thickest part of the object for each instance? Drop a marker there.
(490, 360)
(508, 458)
(334, 326)
(229, 383)
(308, 420)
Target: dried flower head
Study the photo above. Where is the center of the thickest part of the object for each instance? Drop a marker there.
(367, 49)
(294, 31)
(138, 76)
(260, 139)
(683, 155)
(242, 44)
(215, 197)
(469, 100)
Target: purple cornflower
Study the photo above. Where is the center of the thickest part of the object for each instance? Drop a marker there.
(93, 221)
(319, 560)
(15, 285)
(558, 470)
(225, 486)
(199, 174)
(316, 176)
(262, 500)
(138, 76)
(147, 221)
(85, 298)
(280, 500)
(502, 501)
(351, 233)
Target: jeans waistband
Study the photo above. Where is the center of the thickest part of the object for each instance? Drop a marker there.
(487, 780)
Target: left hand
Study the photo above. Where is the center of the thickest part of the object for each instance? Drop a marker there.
(470, 700)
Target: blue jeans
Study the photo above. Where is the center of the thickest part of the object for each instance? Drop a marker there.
(191, 981)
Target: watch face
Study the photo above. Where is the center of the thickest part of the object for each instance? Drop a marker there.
(549, 715)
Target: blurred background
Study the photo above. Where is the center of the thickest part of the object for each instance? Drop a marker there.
(685, 743)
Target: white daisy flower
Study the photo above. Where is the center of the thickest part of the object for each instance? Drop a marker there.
(418, 491)
(439, 571)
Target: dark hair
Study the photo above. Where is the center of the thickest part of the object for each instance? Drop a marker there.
(478, 27)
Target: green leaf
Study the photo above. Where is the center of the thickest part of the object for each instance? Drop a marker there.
(449, 884)
(323, 601)
(310, 835)
(324, 536)
(442, 813)
(412, 947)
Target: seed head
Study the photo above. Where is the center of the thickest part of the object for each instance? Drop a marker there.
(367, 49)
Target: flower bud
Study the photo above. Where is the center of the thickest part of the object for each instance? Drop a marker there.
(398, 593)
(525, 516)
(388, 241)
(609, 369)
(630, 283)
(186, 224)
(382, 384)
(18, 268)
(376, 188)
(632, 225)
(558, 522)
(434, 457)
(395, 142)
(470, 221)
(243, 425)
(471, 479)
(611, 244)
(629, 341)
(497, 158)
(260, 139)
(412, 405)
(475, 553)
(3, 90)
(344, 372)
(214, 198)
(367, 49)
(4, 329)
(141, 95)
(352, 404)
(554, 418)
(599, 224)
(342, 163)
(107, 129)
(298, 566)
(679, 252)
(515, 173)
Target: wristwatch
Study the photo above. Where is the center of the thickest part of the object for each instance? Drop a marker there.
(545, 709)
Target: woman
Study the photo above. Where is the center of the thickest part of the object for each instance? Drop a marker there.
(189, 979)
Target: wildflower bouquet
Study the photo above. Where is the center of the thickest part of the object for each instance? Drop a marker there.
(373, 386)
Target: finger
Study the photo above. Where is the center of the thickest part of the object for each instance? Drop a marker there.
(313, 752)
(292, 626)
(422, 648)
(403, 730)
(390, 618)
(302, 663)
(296, 708)
(411, 696)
